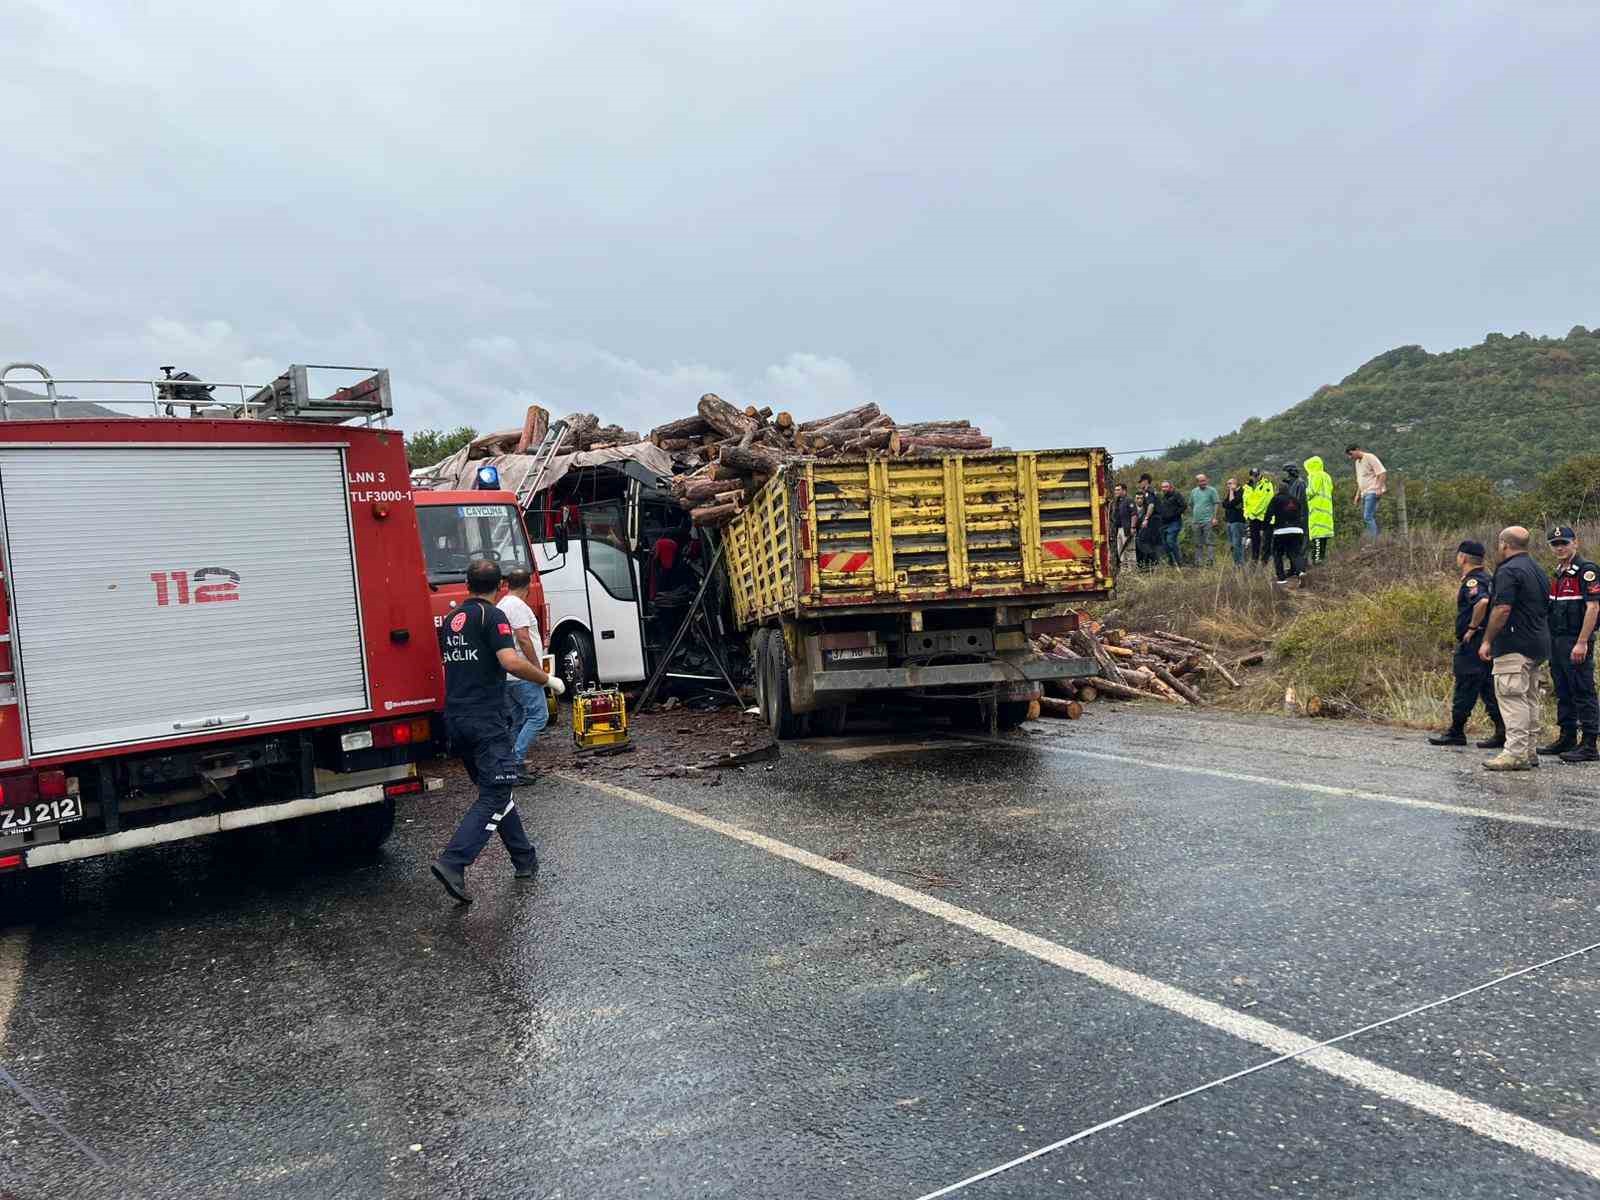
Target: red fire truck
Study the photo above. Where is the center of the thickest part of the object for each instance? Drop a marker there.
(458, 527)
(211, 616)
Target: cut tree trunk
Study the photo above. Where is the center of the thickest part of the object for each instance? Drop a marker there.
(687, 427)
(698, 491)
(534, 426)
(854, 416)
(1122, 691)
(715, 514)
(1216, 666)
(724, 417)
(752, 459)
(1178, 685)
(947, 441)
(1067, 710)
(921, 427)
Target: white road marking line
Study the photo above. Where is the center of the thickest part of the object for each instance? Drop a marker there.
(1324, 789)
(13, 956)
(1575, 1154)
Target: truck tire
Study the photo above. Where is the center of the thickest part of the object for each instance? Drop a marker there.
(367, 827)
(784, 722)
(1012, 713)
(356, 832)
(973, 715)
(758, 672)
(830, 722)
(575, 660)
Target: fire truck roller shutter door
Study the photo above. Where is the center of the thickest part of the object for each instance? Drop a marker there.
(161, 591)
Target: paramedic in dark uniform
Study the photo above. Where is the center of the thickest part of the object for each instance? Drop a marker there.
(1574, 607)
(478, 650)
(1474, 681)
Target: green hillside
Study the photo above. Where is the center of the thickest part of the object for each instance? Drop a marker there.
(1508, 409)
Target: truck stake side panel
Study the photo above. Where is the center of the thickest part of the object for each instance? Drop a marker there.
(880, 534)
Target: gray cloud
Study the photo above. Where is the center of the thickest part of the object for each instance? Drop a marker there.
(1121, 224)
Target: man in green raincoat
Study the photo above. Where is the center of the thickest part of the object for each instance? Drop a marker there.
(1319, 509)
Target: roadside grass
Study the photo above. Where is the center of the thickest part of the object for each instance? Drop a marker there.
(1371, 629)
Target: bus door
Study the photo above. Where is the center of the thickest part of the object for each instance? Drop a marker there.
(611, 582)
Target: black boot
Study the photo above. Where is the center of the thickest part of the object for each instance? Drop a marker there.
(1567, 740)
(1450, 737)
(1495, 741)
(1586, 751)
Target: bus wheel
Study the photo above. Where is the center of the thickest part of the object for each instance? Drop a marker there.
(575, 660)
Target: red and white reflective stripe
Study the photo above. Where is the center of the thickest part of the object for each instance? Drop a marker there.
(843, 561)
(1073, 548)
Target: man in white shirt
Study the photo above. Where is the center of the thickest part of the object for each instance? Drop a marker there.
(529, 709)
(1372, 481)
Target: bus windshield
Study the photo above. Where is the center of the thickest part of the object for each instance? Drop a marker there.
(455, 534)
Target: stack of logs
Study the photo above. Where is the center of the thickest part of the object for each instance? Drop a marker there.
(1130, 666)
(728, 454)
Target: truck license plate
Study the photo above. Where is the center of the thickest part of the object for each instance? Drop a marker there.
(847, 655)
(43, 812)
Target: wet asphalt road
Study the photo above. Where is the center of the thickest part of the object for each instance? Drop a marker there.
(671, 1013)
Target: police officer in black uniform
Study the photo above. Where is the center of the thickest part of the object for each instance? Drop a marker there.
(1474, 680)
(478, 650)
(1574, 608)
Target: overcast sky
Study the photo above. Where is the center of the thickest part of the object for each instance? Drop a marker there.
(1117, 224)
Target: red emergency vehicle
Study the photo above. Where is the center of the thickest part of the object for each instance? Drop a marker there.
(211, 615)
(459, 526)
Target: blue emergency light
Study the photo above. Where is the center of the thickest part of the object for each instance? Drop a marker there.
(489, 479)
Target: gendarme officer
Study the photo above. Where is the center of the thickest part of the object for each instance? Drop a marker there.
(476, 644)
(1574, 608)
(1474, 681)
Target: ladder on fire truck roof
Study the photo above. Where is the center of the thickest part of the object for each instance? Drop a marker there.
(286, 398)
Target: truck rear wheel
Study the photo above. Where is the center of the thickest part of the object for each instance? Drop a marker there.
(974, 715)
(355, 832)
(758, 671)
(830, 722)
(784, 722)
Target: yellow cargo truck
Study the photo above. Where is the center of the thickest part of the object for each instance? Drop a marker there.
(916, 575)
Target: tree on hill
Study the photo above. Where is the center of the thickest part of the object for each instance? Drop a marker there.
(1506, 409)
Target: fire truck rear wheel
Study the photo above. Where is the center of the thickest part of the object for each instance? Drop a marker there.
(33, 894)
(367, 827)
(575, 660)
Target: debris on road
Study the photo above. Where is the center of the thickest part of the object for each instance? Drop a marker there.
(1132, 665)
(682, 744)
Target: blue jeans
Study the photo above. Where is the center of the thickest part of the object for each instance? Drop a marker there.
(1169, 538)
(1369, 512)
(529, 712)
(482, 741)
(1237, 537)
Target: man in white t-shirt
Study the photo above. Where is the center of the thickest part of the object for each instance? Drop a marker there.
(529, 709)
(1372, 481)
